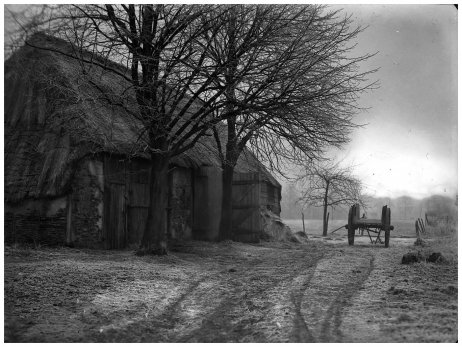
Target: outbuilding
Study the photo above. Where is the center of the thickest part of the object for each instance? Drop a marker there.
(92, 191)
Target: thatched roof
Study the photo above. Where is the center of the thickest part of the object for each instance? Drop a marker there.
(53, 118)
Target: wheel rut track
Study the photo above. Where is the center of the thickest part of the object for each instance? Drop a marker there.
(301, 332)
(216, 321)
(330, 331)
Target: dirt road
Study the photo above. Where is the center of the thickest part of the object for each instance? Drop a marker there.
(320, 291)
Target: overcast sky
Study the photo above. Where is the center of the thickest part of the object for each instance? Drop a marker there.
(410, 143)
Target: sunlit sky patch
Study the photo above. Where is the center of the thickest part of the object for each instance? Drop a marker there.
(409, 145)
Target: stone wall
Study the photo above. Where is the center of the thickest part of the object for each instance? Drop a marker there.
(34, 226)
(181, 202)
(87, 204)
(44, 221)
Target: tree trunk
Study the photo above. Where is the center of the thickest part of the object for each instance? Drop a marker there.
(324, 220)
(226, 228)
(232, 150)
(154, 237)
(326, 227)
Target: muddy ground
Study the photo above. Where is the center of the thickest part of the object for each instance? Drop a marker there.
(319, 291)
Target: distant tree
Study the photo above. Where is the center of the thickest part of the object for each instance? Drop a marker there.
(406, 204)
(329, 184)
(292, 94)
(290, 202)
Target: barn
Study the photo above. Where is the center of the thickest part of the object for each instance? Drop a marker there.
(72, 175)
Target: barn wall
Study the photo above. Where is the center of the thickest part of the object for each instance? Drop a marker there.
(270, 197)
(133, 174)
(41, 221)
(87, 204)
(264, 193)
(277, 201)
(214, 201)
(181, 202)
(48, 221)
(273, 198)
(207, 203)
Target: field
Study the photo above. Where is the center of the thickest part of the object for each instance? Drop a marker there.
(319, 290)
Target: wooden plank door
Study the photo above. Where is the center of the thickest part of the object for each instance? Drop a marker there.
(246, 220)
(200, 213)
(114, 216)
(137, 212)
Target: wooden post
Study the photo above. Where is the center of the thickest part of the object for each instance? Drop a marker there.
(417, 229)
(426, 220)
(303, 221)
(421, 224)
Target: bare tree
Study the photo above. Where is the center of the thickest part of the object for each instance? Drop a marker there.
(330, 184)
(294, 91)
(167, 84)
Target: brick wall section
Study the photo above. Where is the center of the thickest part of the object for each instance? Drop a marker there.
(35, 227)
(181, 202)
(87, 195)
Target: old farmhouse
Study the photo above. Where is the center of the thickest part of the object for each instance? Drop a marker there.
(71, 176)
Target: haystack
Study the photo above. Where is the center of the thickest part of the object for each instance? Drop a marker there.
(273, 228)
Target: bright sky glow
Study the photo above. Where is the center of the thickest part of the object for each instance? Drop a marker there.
(409, 146)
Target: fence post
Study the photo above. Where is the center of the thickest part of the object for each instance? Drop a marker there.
(421, 224)
(303, 221)
(417, 229)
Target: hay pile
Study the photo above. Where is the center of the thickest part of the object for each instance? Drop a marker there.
(273, 228)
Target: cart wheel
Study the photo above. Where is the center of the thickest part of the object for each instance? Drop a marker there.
(351, 228)
(384, 212)
(387, 227)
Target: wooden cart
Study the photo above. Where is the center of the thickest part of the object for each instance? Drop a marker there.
(374, 226)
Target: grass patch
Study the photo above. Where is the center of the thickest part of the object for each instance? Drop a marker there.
(441, 229)
(21, 249)
(441, 238)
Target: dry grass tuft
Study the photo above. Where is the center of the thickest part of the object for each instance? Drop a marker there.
(442, 238)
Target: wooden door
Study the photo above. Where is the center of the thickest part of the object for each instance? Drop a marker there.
(137, 212)
(114, 216)
(246, 220)
(200, 213)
